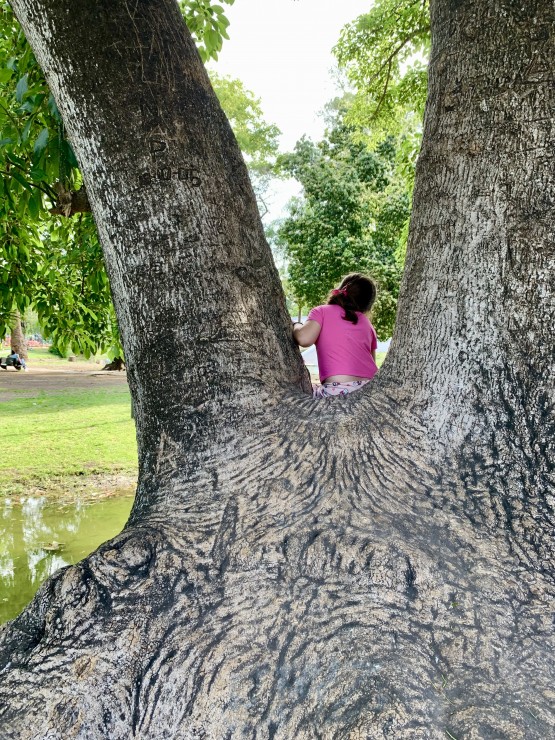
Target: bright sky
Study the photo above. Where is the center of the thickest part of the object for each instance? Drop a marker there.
(281, 50)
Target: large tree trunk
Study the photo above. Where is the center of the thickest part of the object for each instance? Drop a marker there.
(369, 567)
(18, 343)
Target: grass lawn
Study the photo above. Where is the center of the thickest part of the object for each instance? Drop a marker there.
(41, 357)
(75, 433)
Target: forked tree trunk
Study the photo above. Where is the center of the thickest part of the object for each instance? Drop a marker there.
(18, 343)
(369, 567)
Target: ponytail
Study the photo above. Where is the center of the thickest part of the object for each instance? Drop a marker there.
(356, 293)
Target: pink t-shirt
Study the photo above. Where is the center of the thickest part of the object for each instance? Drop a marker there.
(344, 348)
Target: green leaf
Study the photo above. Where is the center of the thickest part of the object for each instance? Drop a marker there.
(53, 108)
(11, 157)
(37, 174)
(212, 40)
(21, 180)
(27, 107)
(70, 154)
(26, 129)
(7, 140)
(35, 203)
(21, 88)
(5, 74)
(41, 141)
(87, 310)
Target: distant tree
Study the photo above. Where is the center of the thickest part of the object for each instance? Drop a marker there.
(351, 216)
(384, 54)
(257, 139)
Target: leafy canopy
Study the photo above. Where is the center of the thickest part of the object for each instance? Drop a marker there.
(257, 139)
(208, 25)
(384, 55)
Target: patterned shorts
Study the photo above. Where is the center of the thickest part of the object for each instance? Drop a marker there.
(337, 389)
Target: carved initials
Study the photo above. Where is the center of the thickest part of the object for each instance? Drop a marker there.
(157, 145)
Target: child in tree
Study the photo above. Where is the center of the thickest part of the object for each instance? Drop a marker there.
(345, 339)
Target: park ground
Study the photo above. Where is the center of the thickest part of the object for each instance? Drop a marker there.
(67, 430)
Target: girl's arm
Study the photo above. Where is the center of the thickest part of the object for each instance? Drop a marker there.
(306, 334)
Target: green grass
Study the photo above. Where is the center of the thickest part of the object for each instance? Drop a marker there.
(41, 357)
(80, 432)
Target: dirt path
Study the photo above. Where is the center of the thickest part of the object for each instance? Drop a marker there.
(21, 384)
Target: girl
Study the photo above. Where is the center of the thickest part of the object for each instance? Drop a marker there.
(345, 339)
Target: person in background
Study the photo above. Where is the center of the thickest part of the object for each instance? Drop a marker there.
(345, 339)
(17, 360)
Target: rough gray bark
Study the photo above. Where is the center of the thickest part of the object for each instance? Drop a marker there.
(369, 567)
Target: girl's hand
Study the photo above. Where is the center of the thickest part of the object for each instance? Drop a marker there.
(306, 334)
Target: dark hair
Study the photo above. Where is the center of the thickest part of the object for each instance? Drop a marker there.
(355, 293)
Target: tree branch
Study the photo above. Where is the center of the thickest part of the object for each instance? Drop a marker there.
(384, 92)
(388, 62)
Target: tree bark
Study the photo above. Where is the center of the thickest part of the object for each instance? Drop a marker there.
(376, 566)
(18, 343)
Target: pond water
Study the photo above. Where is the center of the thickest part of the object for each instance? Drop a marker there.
(38, 537)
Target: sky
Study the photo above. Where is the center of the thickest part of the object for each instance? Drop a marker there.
(281, 51)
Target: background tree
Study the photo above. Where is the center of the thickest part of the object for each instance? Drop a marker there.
(350, 217)
(257, 139)
(384, 54)
(374, 566)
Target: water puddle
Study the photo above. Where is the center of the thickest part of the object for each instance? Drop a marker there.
(38, 537)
